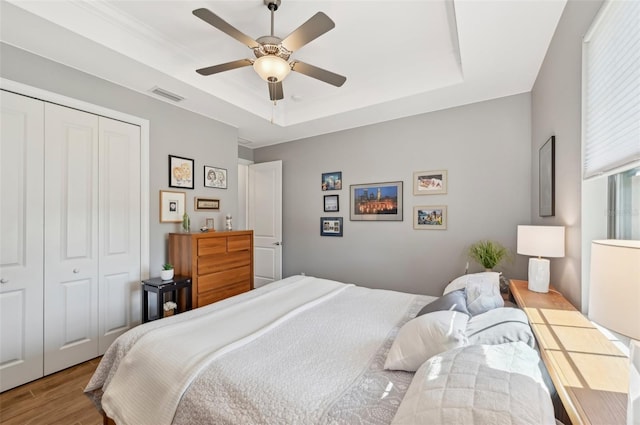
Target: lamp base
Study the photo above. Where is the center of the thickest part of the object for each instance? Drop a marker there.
(538, 274)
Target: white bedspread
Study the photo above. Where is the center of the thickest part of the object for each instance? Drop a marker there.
(279, 354)
(167, 359)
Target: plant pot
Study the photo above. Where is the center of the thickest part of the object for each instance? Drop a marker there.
(166, 274)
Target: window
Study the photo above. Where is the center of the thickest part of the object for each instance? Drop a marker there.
(624, 205)
(611, 109)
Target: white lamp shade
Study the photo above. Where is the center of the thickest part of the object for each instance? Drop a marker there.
(272, 68)
(633, 402)
(614, 288)
(541, 241)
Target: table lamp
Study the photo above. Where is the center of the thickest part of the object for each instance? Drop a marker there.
(614, 288)
(540, 241)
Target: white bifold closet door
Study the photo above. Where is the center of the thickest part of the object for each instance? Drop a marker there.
(21, 239)
(92, 234)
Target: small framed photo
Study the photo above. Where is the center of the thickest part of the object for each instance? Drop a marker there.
(172, 205)
(180, 172)
(430, 182)
(431, 217)
(376, 202)
(330, 226)
(206, 204)
(332, 181)
(215, 177)
(331, 203)
(209, 223)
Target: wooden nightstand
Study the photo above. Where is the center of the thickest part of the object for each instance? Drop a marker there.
(590, 374)
(161, 287)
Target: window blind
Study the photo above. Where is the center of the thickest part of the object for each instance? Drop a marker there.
(612, 88)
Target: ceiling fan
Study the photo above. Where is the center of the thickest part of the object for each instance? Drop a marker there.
(272, 53)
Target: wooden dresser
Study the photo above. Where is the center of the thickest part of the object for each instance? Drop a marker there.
(220, 263)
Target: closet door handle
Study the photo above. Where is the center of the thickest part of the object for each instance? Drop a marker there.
(76, 271)
(3, 280)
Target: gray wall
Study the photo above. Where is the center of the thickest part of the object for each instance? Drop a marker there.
(173, 131)
(486, 148)
(245, 153)
(556, 110)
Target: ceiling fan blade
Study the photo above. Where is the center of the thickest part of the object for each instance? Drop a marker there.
(319, 73)
(317, 25)
(275, 91)
(224, 67)
(216, 21)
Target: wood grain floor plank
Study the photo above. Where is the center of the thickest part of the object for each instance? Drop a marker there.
(52, 400)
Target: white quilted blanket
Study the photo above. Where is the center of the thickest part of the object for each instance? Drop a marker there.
(479, 384)
(320, 362)
(169, 358)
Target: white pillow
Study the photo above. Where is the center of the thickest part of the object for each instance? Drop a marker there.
(478, 384)
(483, 294)
(426, 336)
(462, 281)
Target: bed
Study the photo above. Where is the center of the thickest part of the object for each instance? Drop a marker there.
(305, 350)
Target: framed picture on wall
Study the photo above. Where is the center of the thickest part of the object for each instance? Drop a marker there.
(430, 182)
(547, 178)
(331, 203)
(180, 172)
(206, 204)
(330, 226)
(172, 206)
(376, 202)
(332, 181)
(431, 217)
(215, 177)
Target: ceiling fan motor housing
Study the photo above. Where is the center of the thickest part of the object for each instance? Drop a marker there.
(271, 45)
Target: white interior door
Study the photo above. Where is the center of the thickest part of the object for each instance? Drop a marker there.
(21, 238)
(71, 237)
(264, 205)
(119, 230)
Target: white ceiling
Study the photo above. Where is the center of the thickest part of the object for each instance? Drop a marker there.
(400, 58)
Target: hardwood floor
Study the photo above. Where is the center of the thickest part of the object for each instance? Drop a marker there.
(54, 399)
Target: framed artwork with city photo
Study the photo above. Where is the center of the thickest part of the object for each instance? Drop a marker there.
(376, 202)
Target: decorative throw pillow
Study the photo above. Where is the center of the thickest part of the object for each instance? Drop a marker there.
(425, 336)
(462, 281)
(500, 326)
(483, 294)
(453, 301)
(478, 384)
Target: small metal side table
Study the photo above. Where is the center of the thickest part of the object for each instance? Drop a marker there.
(160, 287)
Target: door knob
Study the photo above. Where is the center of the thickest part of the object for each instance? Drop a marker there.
(3, 280)
(278, 243)
(76, 271)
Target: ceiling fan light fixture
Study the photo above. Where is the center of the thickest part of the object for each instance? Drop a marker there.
(272, 68)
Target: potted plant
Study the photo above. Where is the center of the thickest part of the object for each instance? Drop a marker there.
(167, 271)
(488, 253)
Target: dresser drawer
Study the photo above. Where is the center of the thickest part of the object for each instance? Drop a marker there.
(219, 262)
(208, 246)
(220, 280)
(222, 293)
(239, 243)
